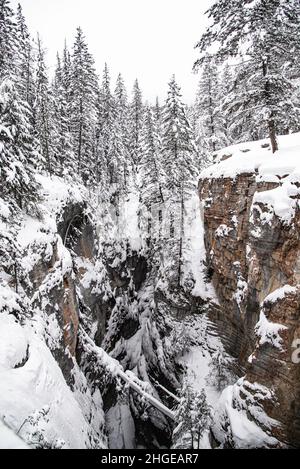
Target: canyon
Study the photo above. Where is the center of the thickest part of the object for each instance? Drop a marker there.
(89, 306)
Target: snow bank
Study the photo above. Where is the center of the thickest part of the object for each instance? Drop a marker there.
(31, 382)
(9, 440)
(13, 343)
(280, 294)
(256, 157)
(230, 414)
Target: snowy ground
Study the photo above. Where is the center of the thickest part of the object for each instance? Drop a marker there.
(34, 396)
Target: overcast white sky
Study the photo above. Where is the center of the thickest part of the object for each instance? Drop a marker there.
(147, 39)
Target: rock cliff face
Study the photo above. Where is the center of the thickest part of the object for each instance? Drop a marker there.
(253, 258)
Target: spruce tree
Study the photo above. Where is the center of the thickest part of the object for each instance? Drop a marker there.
(236, 105)
(224, 117)
(136, 122)
(18, 155)
(8, 41)
(266, 33)
(121, 122)
(61, 136)
(25, 59)
(178, 153)
(157, 122)
(108, 146)
(84, 89)
(207, 107)
(201, 417)
(43, 107)
(193, 416)
(183, 436)
(150, 165)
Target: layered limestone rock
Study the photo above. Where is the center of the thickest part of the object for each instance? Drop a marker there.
(226, 206)
(252, 239)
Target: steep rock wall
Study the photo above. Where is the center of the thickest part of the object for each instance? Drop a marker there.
(252, 253)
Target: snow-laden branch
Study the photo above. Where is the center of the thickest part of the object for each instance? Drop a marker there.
(116, 370)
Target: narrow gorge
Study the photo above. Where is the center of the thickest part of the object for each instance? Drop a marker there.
(91, 306)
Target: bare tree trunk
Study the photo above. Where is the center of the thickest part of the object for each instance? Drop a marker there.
(271, 123)
(80, 137)
(272, 135)
(181, 238)
(16, 275)
(198, 440)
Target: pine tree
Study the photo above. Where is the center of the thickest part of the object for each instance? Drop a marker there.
(84, 90)
(183, 436)
(266, 33)
(157, 122)
(151, 177)
(43, 110)
(150, 165)
(226, 84)
(18, 155)
(207, 107)
(66, 73)
(121, 122)
(8, 41)
(193, 416)
(62, 138)
(109, 144)
(201, 417)
(25, 59)
(178, 153)
(136, 122)
(244, 124)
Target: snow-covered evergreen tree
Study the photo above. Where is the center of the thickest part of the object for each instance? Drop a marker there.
(121, 122)
(151, 168)
(179, 160)
(18, 154)
(201, 417)
(209, 138)
(193, 417)
(244, 124)
(84, 89)
(136, 123)
(151, 177)
(43, 110)
(8, 40)
(266, 34)
(109, 144)
(62, 138)
(25, 59)
(157, 122)
(183, 435)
